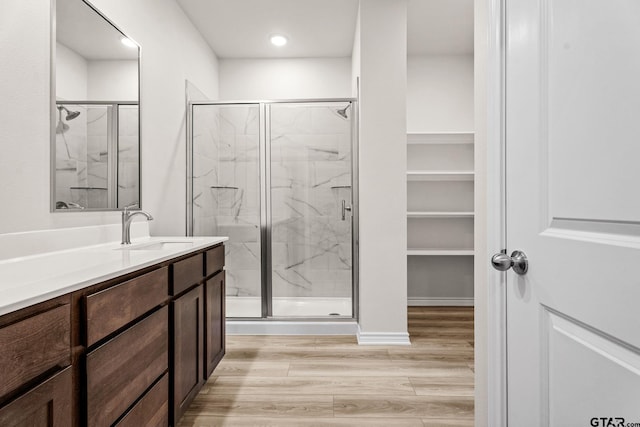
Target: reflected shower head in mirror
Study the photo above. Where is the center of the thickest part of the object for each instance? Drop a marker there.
(343, 113)
(70, 114)
(62, 127)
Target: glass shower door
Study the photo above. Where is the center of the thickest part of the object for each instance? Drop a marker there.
(226, 196)
(309, 145)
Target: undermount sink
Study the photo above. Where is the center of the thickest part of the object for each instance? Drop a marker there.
(157, 246)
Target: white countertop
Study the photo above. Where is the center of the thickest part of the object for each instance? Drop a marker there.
(29, 280)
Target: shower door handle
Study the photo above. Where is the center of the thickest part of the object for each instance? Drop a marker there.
(345, 208)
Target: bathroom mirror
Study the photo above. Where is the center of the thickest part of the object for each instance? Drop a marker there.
(95, 112)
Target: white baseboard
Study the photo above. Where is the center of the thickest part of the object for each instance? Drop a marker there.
(433, 302)
(260, 327)
(382, 338)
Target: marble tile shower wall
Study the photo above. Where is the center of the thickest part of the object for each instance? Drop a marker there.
(310, 176)
(95, 196)
(71, 156)
(226, 189)
(310, 173)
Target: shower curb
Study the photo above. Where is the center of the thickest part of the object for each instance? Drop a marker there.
(259, 327)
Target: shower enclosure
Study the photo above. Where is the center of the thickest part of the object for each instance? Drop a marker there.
(278, 178)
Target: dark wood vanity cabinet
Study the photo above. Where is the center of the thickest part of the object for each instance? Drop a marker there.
(35, 358)
(187, 349)
(214, 309)
(125, 345)
(198, 318)
(152, 410)
(121, 370)
(48, 404)
(131, 351)
(214, 330)
(115, 307)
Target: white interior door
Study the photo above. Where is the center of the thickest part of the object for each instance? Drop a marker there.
(573, 206)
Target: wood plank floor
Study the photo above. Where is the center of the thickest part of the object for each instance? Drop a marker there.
(299, 381)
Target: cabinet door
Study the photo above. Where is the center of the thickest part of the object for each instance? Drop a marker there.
(119, 371)
(46, 405)
(214, 322)
(187, 349)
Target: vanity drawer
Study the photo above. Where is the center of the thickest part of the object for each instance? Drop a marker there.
(113, 308)
(215, 259)
(187, 273)
(152, 410)
(47, 404)
(32, 346)
(119, 371)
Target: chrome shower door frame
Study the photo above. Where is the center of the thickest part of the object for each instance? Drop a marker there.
(264, 124)
(265, 214)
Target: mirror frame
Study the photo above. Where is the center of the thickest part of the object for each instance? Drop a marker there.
(53, 113)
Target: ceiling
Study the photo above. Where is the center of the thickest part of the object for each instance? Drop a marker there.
(322, 28)
(84, 31)
(241, 28)
(436, 27)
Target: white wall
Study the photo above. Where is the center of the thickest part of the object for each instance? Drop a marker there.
(112, 80)
(440, 93)
(490, 290)
(78, 79)
(172, 51)
(25, 126)
(355, 58)
(382, 176)
(71, 74)
(295, 78)
(169, 57)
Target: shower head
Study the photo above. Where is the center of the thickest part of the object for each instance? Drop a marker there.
(62, 127)
(70, 114)
(343, 113)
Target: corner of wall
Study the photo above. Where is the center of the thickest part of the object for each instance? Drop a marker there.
(382, 169)
(355, 58)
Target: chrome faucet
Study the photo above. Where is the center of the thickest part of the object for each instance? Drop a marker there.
(127, 216)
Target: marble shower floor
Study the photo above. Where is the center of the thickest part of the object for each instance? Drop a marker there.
(290, 307)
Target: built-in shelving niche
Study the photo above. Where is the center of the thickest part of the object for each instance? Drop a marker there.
(440, 215)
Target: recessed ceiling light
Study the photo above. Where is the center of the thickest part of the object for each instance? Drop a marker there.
(278, 40)
(128, 43)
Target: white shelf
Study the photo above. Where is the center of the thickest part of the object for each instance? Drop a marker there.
(440, 138)
(440, 252)
(432, 214)
(422, 175)
(440, 255)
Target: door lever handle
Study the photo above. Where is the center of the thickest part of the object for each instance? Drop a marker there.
(345, 208)
(518, 260)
